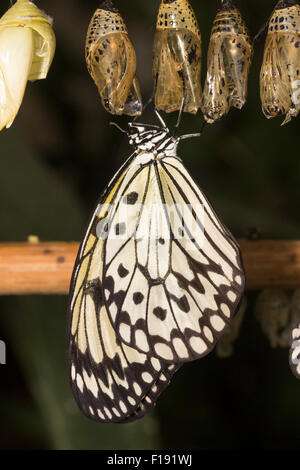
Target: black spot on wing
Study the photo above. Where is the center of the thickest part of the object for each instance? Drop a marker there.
(93, 289)
(123, 272)
(120, 229)
(138, 298)
(131, 198)
(183, 304)
(160, 313)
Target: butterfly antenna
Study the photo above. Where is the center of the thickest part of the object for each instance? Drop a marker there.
(118, 127)
(160, 118)
(197, 134)
(188, 136)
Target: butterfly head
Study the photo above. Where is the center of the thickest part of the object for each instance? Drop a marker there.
(148, 138)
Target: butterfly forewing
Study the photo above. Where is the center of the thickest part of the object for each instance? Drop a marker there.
(111, 381)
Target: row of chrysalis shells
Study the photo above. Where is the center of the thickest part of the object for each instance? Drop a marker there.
(111, 61)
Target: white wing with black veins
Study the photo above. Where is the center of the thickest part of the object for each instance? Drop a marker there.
(173, 276)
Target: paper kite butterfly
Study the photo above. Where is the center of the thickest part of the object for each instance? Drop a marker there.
(157, 280)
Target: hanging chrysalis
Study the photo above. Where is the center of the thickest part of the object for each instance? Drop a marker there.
(272, 311)
(228, 64)
(111, 61)
(27, 46)
(280, 72)
(295, 351)
(177, 58)
(294, 318)
(225, 345)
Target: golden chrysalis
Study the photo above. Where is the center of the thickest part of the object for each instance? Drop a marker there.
(177, 58)
(228, 64)
(27, 46)
(111, 62)
(280, 71)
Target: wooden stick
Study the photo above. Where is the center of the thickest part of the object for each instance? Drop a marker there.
(45, 268)
(42, 268)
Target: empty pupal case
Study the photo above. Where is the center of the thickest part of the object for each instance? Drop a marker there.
(111, 62)
(177, 58)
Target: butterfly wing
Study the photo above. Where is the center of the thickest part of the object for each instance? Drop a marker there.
(111, 381)
(174, 280)
(295, 352)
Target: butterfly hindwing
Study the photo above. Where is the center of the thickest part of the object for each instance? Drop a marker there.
(171, 289)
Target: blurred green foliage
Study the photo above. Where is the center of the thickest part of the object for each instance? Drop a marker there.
(55, 161)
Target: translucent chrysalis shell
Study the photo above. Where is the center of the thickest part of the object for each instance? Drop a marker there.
(228, 64)
(272, 310)
(225, 345)
(177, 58)
(111, 61)
(27, 46)
(280, 71)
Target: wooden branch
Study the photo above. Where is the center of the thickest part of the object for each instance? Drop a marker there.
(42, 268)
(45, 268)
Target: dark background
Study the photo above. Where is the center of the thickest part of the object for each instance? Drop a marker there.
(55, 161)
